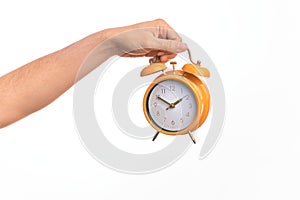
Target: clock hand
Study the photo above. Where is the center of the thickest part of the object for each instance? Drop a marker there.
(163, 100)
(172, 105)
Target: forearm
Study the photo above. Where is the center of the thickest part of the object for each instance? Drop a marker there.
(40, 82)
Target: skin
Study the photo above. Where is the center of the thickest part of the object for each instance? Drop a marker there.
(38, 83)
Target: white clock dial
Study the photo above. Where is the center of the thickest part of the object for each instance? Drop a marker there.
(171, 105)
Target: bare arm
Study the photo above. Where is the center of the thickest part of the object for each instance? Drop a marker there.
(38, 83)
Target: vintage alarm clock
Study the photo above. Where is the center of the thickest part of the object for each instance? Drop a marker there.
(177, 102)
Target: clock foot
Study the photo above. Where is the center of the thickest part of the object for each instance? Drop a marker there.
(155, 136)
(192, 137)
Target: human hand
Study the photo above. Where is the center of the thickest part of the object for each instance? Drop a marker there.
(151, 39)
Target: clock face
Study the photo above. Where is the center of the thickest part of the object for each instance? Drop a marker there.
(171, 105)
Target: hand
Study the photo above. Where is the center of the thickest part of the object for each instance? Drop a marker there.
(163, 100)
(172, 105)
(179, 100)
(153, 38)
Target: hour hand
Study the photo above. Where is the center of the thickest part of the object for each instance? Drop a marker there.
(163, 100)
(172, 105)
(178, 101)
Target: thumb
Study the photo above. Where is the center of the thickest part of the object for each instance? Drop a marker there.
(173, 46)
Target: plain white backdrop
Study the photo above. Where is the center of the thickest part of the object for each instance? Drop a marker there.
(255, 46)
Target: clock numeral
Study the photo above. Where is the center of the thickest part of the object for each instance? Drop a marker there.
(172, 87)
(163, 90)
(172, 122)
(187, 114)
(190, 105)
(157, 113)
(165, 119)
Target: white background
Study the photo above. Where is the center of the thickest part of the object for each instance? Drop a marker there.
(254, 44)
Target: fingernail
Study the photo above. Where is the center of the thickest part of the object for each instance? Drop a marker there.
(182, 47)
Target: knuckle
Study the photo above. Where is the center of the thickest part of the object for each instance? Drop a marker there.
(160, 21)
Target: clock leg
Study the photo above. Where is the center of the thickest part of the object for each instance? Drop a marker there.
(192, 137)
(155, 136)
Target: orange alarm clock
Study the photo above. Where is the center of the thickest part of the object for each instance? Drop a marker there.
(177, 102)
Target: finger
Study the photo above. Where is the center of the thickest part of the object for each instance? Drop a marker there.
(169, 45)
(166, 31)
(167, 57)
(162, 57)
(169, 34)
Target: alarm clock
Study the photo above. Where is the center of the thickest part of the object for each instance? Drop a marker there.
(177, 102)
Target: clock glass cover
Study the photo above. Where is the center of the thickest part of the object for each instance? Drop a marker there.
(171, 105)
